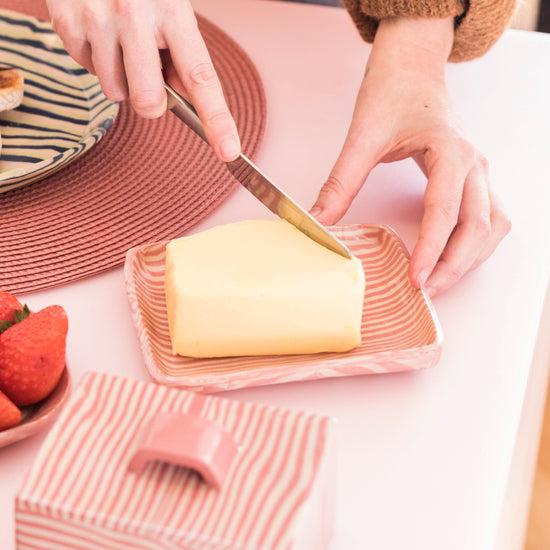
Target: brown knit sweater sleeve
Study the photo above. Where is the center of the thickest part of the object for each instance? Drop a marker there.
(478, 23)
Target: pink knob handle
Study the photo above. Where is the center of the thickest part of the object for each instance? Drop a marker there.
(187, 440)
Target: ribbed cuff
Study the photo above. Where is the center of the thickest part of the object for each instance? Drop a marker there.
(378, 9)
(478, 23)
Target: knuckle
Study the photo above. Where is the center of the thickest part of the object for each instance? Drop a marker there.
(453, 144)
(173, 10)
(112, 93)
(482, 228)
(453, 276)
(94, 20)
(483, 162)
(146, 101)
(431, 247)
(334, 186)
(219, 119)
(501, 220)
(125, 8)
(62, 25)
(452, 273)
(467, 150)
(73, 41)
(464, 145)
(202, 74)
(446, 211)
(335, 196)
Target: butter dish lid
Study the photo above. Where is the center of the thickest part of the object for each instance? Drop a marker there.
(111, 462)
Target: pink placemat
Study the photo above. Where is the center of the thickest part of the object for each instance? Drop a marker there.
(146, 180)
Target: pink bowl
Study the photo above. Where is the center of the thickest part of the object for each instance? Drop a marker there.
(39, 416)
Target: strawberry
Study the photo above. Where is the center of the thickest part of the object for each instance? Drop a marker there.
(32, 355)
(10, 415)
(8, 305)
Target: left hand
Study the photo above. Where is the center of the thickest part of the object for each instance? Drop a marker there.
(403, 110)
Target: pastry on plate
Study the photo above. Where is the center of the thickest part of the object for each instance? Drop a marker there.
(11, 90)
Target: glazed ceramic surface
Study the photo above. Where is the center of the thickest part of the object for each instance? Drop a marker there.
(63, 112)
(40, 416)
(82, 492)
(400, 330)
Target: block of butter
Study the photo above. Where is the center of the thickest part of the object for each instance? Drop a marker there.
(260, 287)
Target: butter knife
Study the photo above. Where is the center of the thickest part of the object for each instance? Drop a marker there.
(251, 177)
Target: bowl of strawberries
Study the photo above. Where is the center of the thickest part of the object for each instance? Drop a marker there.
(34, 380)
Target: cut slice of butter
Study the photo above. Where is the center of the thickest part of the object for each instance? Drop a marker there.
(260, 287)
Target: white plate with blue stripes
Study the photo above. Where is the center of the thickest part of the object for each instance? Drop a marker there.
(63, 113)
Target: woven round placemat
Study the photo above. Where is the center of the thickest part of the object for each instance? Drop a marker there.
(146, 180)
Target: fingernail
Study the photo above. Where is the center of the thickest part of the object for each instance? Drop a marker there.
(422, 277)
(315, 211)
(229, 148)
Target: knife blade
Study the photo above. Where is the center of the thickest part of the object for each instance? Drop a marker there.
(252, 178)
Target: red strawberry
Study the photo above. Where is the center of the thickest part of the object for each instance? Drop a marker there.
(10, 415)
(32, 355)
(8, 305)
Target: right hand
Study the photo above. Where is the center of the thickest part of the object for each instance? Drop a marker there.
(121, 42)
(404, 110)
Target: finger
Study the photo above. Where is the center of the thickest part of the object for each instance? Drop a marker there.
(106, 54)
(469, 236)
(421, 163)
(501, 225)
(198, 76)
(448, 169)
(143, 67)
(68, 26)
(81, 52)
(348, 175)
(171, 75)
(109, 68)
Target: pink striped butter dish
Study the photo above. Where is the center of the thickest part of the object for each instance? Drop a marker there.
(399, 329)
(136, 465)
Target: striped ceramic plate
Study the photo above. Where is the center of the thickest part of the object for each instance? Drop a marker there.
(63, 113)
(400, 330)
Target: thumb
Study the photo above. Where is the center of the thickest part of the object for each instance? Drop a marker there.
(344, 182)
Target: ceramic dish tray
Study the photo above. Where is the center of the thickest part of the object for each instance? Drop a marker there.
(400, 330)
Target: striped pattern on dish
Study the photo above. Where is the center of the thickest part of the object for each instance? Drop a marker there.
(63, 112)
(80, 494)
(399, 330)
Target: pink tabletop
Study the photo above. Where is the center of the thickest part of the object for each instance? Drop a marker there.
(427, 460)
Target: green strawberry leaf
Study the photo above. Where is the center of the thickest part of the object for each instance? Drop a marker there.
(20, 315)
(5, 325)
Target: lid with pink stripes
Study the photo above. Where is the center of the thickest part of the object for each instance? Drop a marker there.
(130, 464)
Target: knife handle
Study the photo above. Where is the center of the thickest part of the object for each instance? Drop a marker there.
(185, 111)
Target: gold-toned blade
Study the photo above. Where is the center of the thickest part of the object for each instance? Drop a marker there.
(251, 177)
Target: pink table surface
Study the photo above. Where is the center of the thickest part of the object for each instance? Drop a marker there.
(437, 459)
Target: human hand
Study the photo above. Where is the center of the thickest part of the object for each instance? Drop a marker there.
(403, 110)
(121, 42)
